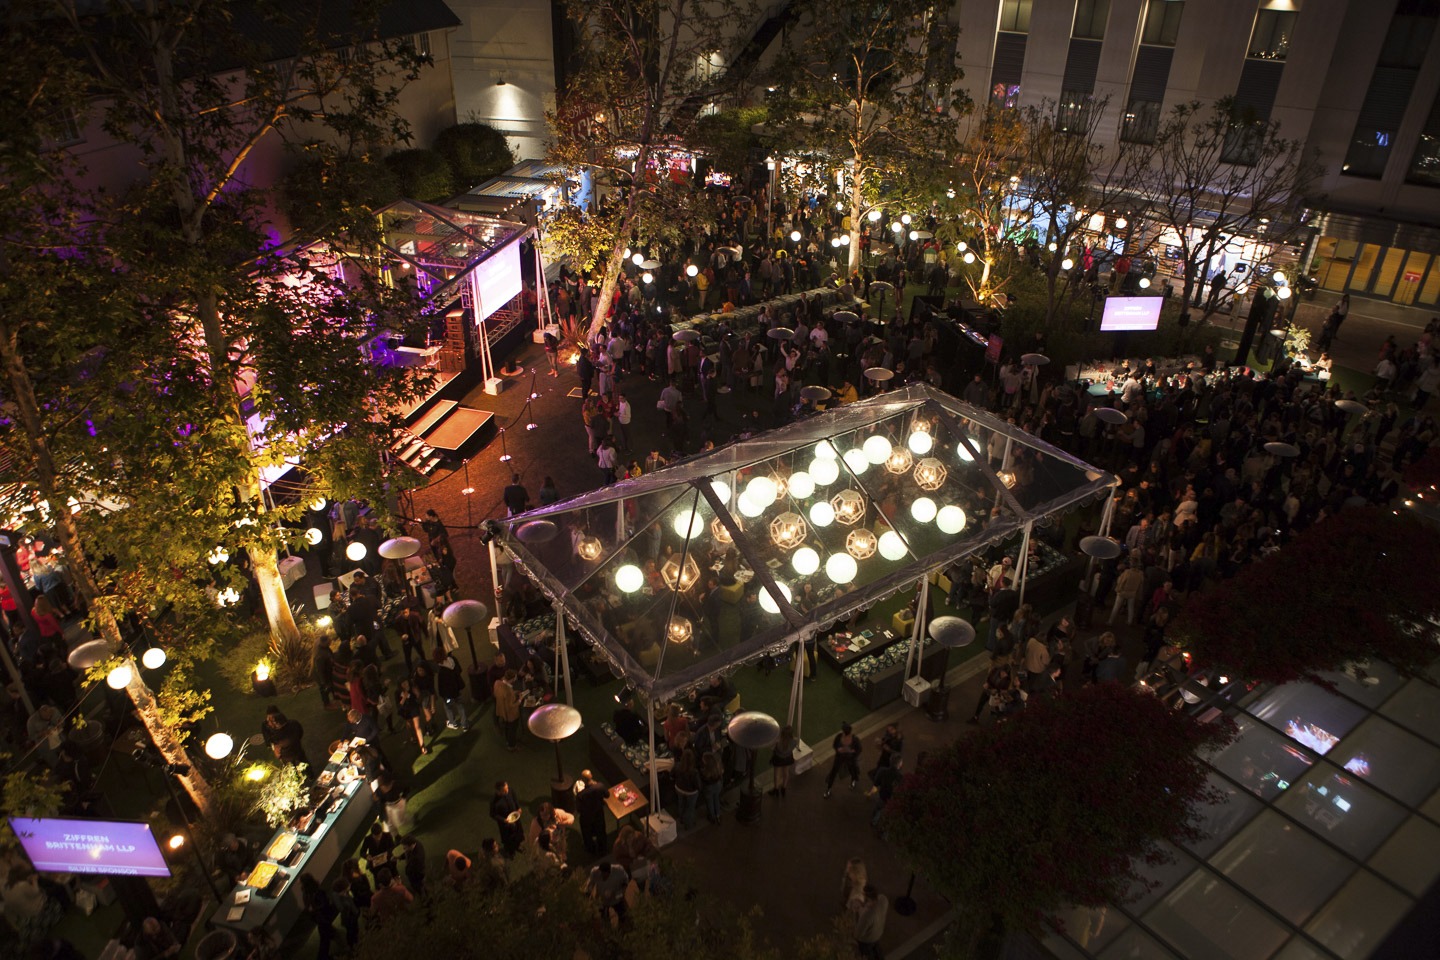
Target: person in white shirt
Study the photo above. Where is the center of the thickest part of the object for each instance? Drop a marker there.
(621, 423)
(818, 336)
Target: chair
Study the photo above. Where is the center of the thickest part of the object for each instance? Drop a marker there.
(903, 622)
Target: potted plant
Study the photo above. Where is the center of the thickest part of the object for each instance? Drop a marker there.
(282, 794)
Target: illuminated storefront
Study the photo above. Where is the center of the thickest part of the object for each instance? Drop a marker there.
(1388, 261)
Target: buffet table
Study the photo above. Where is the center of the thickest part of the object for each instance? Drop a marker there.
(270, 894)
(843, 648)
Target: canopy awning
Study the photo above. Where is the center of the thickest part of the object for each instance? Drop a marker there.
(701, 566)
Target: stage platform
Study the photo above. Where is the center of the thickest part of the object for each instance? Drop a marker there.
(461, 431)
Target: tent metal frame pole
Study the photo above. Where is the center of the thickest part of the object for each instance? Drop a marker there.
(797, 683)
(1105, 515)
(912, 656)
(495, 578)
(654, 773)
(562, 651)
(1024, 563)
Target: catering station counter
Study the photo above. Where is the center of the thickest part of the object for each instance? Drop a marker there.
(269, 896)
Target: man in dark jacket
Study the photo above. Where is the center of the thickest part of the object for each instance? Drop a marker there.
(590, 811)
(505, 811)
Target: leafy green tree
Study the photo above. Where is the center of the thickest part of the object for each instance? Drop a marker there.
(194, 231)
(869, 94)
(640, 68)
(422, 174)
(327, 190)
(475, 151)
(1054, 807)
(727, 138)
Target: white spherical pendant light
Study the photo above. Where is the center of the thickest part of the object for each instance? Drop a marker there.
(824, 472)
(767, 602)
(629, 578)
(920, 443)
(762, 490)
(822, 514)
(950, 519)
(825, 450)
(802, 485)
(876, 449)
(923, 509)
(748, 507)
(841, 568)
(891, 546)
(856, 460)
(805, 561)
(688, 524)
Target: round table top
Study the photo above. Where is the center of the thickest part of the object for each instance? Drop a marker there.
(399, 548)
(465, 613)
(753, 730)
(815, 393)
(952, 632)
(879, 374)
(1101, 548)
(554, 721)
(537, 531)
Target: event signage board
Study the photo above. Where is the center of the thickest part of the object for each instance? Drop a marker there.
(116, 847)
(497, 280)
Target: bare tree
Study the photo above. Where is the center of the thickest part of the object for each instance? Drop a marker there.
(1217, 174)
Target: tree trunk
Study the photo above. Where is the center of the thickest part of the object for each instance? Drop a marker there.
(613, 266)
(42, 460)
(266, 567)
(617, 250)
(857, 209)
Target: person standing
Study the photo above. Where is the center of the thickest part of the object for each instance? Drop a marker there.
(507, 709)
(621, 423)
(505, 811)
(590, 811)
(516, 497)
(870, 924)
(552, 353)
(285, 736)
(887, 778)
(1127, 592)
(608, 460)
(782, 760)
(847, 757)
(320, 908)
(450, 685)
(322, 671)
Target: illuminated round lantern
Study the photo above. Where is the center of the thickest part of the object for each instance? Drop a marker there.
(899, 461)
(680, 576)
(679, 630)
(849, 506)
(588, 548)
(861, 544)
(788, 531)
(930, 474)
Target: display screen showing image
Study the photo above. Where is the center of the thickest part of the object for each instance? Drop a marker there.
(113, 847)
(1131, 313)
(497, 279)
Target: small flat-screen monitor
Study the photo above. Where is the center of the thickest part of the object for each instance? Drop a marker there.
(1131, 313)
(116, 847)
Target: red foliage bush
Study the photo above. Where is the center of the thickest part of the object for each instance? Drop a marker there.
(1357, 585)
(1051, 808)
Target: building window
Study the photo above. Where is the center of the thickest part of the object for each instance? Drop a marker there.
(1162, 22)
(1090, 19)
(1409, 34)
(1005, 96)
(421, 43)
(1141, 121)
(1073, 116)
(1270, 40)
(1369, 150)
(1425, 165)
(1015, 16)
(1242, 143)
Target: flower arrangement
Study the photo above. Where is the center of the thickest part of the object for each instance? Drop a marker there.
(282, 794)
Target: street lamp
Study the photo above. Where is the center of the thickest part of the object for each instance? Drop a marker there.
(770, 200)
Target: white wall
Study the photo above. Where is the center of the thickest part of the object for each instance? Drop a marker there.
(513, 42)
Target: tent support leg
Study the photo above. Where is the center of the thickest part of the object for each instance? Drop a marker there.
(562, 652)
(655, 807)
(1024, 563)
(913, 656)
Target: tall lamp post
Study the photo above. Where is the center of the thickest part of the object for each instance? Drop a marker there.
(770, 200)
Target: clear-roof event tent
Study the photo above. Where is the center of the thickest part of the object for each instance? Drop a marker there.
(798, 527)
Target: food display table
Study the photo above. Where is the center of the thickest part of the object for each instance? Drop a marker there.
(843, 648)
(270, 896)
(878, 679)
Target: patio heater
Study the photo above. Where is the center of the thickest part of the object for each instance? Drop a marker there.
(555, 722)
(950, 633)
(466, 614)
(753, 731)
